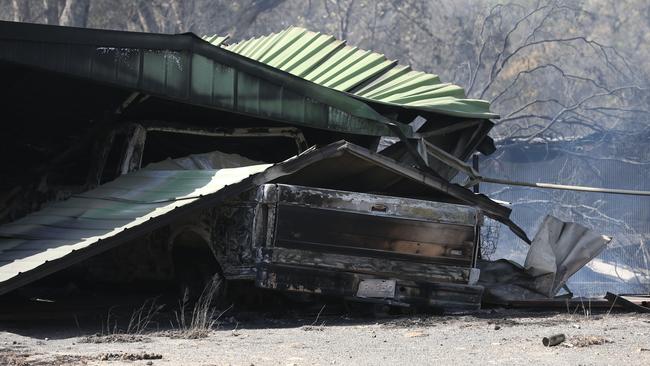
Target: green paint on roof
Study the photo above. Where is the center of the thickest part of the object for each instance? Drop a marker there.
(367, 75)
(216, 40)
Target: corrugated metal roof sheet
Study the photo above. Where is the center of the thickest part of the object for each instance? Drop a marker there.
(329, 62)
(106, 211)
(215, 39)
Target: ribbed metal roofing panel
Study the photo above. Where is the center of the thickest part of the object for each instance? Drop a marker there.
(326, 61)
(215, 40)
(106, 211)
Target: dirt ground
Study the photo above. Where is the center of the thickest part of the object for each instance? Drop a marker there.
(500, 337)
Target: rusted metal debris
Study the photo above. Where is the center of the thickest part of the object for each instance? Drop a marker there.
(558, 250)
(636, 303)
(553, 340)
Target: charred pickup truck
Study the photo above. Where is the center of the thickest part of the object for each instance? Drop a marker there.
(366, 247)
(362, 247)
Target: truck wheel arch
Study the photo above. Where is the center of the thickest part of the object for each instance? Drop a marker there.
(193, 259)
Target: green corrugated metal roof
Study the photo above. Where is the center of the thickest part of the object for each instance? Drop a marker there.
(215, 39)
(329, 62)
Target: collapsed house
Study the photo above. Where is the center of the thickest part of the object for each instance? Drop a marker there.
(291, 160)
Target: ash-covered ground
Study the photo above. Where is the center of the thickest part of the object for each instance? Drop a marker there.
(486, 337)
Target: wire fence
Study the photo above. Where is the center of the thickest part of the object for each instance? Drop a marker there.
(624, 266)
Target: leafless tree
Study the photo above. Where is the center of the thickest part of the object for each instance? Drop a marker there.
(250, 12)
(75, 13)
(21, 11)
(342, 11)
(520, 59)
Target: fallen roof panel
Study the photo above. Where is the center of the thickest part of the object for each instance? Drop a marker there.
(63, 232)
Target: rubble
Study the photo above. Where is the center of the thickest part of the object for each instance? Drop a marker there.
(558, 250)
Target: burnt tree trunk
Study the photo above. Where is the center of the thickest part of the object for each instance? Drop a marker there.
(20, 10)
(75, 13)
(51, 11)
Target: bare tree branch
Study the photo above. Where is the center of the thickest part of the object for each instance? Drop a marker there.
(75, 13)
(21, 10)
(552, 66)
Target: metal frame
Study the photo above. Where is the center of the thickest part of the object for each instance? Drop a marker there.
(137, 136)
(289, 132)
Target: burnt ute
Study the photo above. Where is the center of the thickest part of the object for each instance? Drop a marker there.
(368, 247)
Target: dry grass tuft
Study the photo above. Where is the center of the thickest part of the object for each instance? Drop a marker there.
(204, 316)
(139, 321)
(313, 326)
(142, 317)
